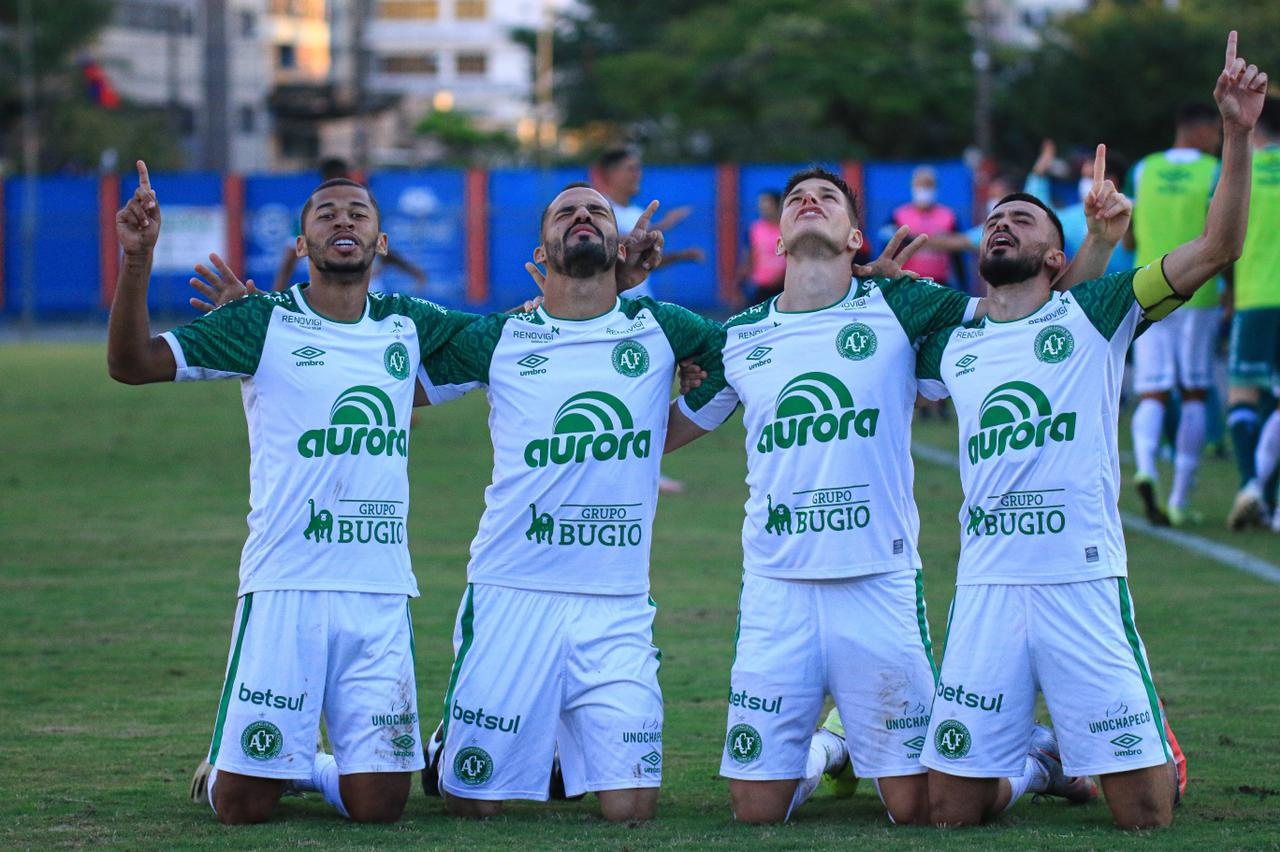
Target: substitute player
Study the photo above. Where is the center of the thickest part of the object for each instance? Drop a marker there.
(1043, 600)
(554, 634)
(1254, 363)
(1171, 191)
(832, 597)
(327, 375)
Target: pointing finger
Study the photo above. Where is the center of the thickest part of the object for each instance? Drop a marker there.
(642, 224)
(1231, 50)
(144, 177)
(1099, 166)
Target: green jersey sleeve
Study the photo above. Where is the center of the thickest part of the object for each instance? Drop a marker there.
(929, 379)
(466, 355)
(692, 336)
(1107, 301)
(228, 341)
(436, 324)
(923, 307)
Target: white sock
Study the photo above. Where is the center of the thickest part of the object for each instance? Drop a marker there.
(826, 752)
(1267, 454)
(324, 778)
(1034, 778)
(1148, 420)
(213, 778)
(1189, 443)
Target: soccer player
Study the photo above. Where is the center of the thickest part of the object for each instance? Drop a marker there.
(1042, 598)
(554, 633)
(832, 597)
(1254, 363)
(1171, 191)
(327, 374)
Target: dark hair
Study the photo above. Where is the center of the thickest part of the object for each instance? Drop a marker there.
(332, 168)
(306, 208)
(1270, 118)
(1195, 113)
(614, 157)
(577, 184)
(1031, 199)
(819, 173)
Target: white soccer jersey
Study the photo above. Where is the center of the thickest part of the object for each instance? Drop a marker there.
(578, 420)
(828, 398)
(1037, 401)
(328, 405)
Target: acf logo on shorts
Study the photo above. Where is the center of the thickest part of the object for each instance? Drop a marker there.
(952, 739)
(743, 743)
(473, 766)
(262, 741)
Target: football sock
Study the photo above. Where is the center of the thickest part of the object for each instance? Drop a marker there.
(1189, 443)
(1268, 451)
(1147, 420)
(1242, 423)
(325, 778)
(1034, 779)
(826, 752)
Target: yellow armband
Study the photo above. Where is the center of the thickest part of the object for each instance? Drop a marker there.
(1153, 292)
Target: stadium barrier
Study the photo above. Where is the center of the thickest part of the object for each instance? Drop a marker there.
(471, 230)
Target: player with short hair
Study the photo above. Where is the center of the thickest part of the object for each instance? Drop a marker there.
(832, 598)
(1171, 191)
(553, 639)
(1254, 363)
(1042, 600)
(327, 375)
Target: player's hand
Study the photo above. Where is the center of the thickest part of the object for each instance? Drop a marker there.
(1240, 91)
(889, 263)
(219, 285)
(691, 375)
(138, 222)
(1044, 162)
(1107, 211)
(644, 252)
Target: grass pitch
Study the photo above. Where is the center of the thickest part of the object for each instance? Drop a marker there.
(122, 516)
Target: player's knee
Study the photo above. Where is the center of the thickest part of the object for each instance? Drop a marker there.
(755, 809)
(634, 809)
(472, 808)
(385, 810)
(909, 812)
(1149, 812)
(242, 810)
(952, 812)
(1161, 396)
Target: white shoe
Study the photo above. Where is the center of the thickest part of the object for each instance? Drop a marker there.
(200, 783)
(1044, 750)
(1247, 508)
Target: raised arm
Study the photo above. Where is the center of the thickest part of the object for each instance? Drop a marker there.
(1107, 214)
(134, 356)
(1240, 92)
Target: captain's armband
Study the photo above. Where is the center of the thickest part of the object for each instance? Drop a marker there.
(1154, 294)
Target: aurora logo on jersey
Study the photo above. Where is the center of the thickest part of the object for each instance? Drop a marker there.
(590, 423)
(1017, 415)
(815, 406)
(362, 420)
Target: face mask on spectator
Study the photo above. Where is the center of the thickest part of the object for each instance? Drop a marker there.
(923, 196)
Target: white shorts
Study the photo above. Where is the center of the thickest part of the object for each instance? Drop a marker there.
(1177, 351)
(1077, 643)
(864, 641)
(295, 654)
(536, 670)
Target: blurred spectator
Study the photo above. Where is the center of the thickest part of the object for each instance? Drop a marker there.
(925, 215)
(762, 267)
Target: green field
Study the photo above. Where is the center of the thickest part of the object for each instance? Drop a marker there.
(122, 516)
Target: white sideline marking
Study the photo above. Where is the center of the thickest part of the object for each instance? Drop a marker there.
(1232, 557)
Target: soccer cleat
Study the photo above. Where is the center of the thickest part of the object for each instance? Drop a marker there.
(1247, 509)
(1180, 516)
(432, 750)
(840, 783)
(1146, 488)
(1179, 759)
(200, 783)
(1044, 750)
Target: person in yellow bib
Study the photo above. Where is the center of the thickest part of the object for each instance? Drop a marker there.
(1254, 361)
(1171, 191)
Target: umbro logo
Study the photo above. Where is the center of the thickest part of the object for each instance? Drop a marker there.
(759, 352)
(533, 364)
(966, 364)
(308, 356)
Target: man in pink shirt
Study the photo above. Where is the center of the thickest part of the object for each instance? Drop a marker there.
(924, 215)
(763, 267)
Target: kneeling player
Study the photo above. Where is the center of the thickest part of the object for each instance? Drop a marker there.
(327, 373)
(1043, 598)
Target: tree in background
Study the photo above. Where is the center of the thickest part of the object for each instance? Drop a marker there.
(462, 143)
(74, 127)
(770, 79)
